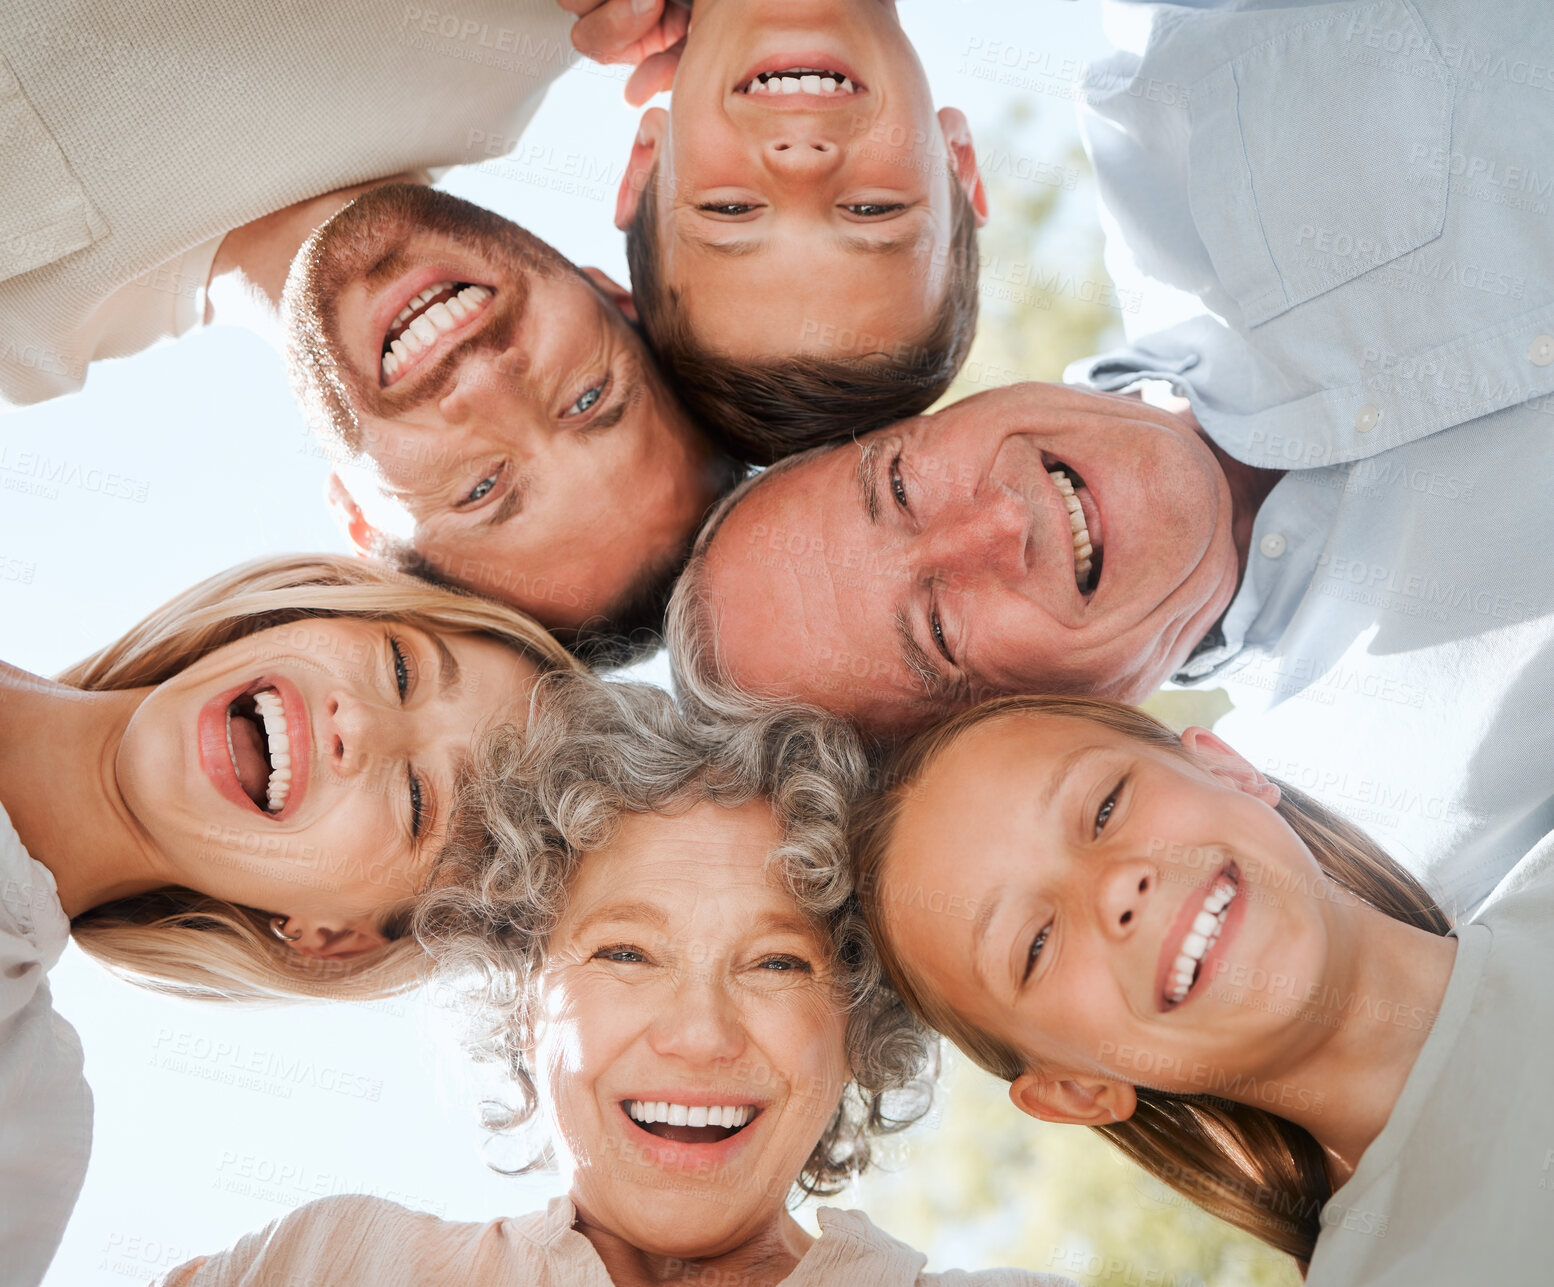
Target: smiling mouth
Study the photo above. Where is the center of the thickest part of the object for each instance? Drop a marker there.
(690, 1123)
(1087, 556)
(801, 80)
(260, 749)
(1201, 935)
(425, 318)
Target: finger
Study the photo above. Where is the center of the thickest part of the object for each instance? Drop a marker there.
(654, 75)
(609, 33)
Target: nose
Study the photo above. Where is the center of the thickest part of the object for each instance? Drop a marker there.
(362, 738)
(985, 532)
(497, 388)
(1125, 890)
(799, 153)
(702, 1024)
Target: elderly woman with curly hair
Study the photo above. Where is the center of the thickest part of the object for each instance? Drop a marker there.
(660, 923)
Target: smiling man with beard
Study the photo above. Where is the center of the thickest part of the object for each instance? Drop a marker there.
(501, 424)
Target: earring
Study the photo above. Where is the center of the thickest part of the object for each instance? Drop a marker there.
(278, 928)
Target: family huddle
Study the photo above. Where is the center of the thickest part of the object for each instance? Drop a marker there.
(711, 941)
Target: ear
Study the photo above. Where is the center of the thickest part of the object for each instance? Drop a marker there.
(963, 159)
(639, 165)
(348, 514)
(1073, 1103)
(331, 942)
(1224, 763)
(613, 291)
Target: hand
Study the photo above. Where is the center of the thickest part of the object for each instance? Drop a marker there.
(645, 34)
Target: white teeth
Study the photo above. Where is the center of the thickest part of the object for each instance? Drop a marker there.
(827, 85)
(790, 85)
(411, 342)
(474, 294)
(847, 86)
(1205, 930)
(440, 317)
(423, 330)
(390, 365)
(272, 716)
(649, 1111)
(1083, 549)
(810, 84)
(455, 305)
(796, 80)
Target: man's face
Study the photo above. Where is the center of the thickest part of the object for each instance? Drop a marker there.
(938, 561)
(839, 186)
(505, 403)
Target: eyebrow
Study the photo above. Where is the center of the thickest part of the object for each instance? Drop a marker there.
(1061, 771)
(510, 504)
(447, 666)
(867, 477)
(883, 246)
(732, 249)
(625, 910)
(917, 659)
(979, 929)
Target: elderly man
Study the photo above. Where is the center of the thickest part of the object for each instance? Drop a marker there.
(1332, 497)
(162, 170)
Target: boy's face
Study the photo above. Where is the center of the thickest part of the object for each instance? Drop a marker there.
(814, 219)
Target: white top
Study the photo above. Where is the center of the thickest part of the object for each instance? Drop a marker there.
(45, 1105)
(1281, 189)
(136, 138)
(357, 1241)
(1458, 1186)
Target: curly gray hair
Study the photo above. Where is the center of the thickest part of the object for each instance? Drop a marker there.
(542, 800)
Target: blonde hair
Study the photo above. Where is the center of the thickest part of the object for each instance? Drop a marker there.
(1245, 1165)
(183, 942)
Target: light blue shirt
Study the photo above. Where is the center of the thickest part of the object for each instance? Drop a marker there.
(1339, 223)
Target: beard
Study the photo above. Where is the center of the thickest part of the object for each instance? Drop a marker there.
(374, 239)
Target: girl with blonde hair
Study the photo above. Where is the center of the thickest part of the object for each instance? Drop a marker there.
(1143, 934)
(240, 799)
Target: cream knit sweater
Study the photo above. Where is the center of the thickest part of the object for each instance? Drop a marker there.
(134, 137)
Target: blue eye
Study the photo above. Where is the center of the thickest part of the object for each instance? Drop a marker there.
(482, 489)
(621, 955)
(873, 209)
(897, 487)
(587, 400)
(1039, 942)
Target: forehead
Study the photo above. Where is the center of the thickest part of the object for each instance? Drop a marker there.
(806, 587)
(658, 857)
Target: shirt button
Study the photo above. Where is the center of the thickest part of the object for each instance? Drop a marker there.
(1366, 418)
(1272, 545)
(1541, 351)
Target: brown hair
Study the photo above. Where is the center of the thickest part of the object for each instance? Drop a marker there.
(760, 411)
(183, 942)
(1245, 1165)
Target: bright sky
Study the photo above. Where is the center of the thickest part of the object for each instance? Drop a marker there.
(179, 462)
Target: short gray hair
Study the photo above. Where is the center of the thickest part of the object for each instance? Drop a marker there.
(597, 750)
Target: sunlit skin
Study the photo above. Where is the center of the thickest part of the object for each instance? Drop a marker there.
(1077, 858)
(961, 583)
(682, 968)
(806, 223)
(533, 453)
(117, 795)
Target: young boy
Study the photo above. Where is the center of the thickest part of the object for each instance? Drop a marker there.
(800, 223)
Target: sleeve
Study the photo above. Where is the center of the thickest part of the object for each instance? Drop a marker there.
(345, 1241)
(45, 1105)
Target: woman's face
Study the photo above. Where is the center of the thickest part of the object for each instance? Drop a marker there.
(307, 770)
(685, 983)
(1118, 913)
